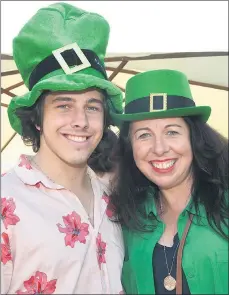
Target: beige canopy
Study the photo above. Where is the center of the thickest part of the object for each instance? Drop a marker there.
(207, 73)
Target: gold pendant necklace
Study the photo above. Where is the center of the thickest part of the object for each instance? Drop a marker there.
(169, 281)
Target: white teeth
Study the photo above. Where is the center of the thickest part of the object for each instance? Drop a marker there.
(77, 138)
(163, 165)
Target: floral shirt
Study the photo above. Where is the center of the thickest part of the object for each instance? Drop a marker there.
(48, 245)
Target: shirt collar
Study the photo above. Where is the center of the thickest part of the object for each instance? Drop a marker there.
(150, 205)
(30, 175)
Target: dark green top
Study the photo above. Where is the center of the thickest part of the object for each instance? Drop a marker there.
(205, 255)
(160, 269)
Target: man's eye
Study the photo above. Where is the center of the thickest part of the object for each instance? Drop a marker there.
(172, 132)
(63, 106)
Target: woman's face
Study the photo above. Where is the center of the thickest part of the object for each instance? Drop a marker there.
(162, 150)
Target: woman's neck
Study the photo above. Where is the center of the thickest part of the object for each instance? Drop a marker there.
(176, 199)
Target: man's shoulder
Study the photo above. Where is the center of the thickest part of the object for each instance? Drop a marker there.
(9, 180)
(106, 181)
(103, 180)
(8, 175)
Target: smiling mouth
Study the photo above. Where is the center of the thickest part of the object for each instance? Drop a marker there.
(75, 138)
(163, 165)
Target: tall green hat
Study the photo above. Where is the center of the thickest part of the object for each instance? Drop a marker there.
(62, 48)
(160, 94)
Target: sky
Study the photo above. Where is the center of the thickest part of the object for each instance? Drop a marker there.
(139, 26)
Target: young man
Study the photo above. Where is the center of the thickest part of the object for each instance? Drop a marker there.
(56, 234)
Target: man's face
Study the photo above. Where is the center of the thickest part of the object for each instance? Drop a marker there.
(72, 125)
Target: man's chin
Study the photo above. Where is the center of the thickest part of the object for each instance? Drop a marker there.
(77, 163)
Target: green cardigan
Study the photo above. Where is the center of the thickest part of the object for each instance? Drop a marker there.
(205, 256)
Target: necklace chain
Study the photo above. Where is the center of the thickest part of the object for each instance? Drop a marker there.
(166, 261)
(161, 211)
(90, 213)
(169, 281)
(39, 168)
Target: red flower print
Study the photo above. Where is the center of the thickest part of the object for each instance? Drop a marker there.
(122, 292)
(106, 198)
(38, 285)
(5, 249)
(38, 184)
(110, 211)
(3, 174)
(75, 230)
(24, 162)
(101, 250)
(7, 212)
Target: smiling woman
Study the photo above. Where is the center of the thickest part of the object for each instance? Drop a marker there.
(162, 150)
(172, 187)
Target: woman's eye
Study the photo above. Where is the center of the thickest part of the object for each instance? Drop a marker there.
(144, 135)
(93, 109)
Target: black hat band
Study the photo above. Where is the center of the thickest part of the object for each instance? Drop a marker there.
(50, 64)
(158, 102)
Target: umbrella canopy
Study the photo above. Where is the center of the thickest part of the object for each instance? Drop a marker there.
(206, 68)
(207, 73)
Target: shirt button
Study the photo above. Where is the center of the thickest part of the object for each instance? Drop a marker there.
(190, 274)
(151, 214)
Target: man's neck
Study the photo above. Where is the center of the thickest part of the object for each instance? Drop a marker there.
(70, 177)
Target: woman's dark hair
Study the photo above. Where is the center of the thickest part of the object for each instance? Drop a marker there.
(104, 158)
(33, 116)
(210, 172)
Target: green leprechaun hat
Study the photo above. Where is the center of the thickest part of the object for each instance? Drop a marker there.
(160, 94)
(62, 48)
